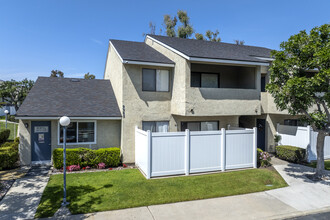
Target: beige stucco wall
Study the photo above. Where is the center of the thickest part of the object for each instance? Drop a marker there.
(25, 142)
(180, 81)
(141, 106)
(108, 135)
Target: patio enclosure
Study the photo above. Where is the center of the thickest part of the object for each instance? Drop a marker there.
(302, 137)
(177, 153)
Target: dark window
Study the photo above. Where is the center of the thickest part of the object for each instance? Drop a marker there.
(85, 132)
(79, 132)
(200, 126)
(155, 126)
(295, 122)
(263, 83)
(149, 80)
(71, 133)
(155, 80)
(205, 80)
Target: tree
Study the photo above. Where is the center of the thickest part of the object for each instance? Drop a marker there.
(186, 29)
(56, 73)
(199, 36)
(239, 42)
(89, 76)
(300, 82)
(170, 24)
(14, 92)
(213, 36)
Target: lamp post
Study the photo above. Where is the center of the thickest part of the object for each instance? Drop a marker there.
(6, 112)
(64, 121)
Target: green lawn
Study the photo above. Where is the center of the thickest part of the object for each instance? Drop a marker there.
(326, 164)
(101, 191)
(9, 126)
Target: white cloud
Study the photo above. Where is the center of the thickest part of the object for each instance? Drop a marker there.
(97, 41)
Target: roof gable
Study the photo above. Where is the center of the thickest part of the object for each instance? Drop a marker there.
(53, 96)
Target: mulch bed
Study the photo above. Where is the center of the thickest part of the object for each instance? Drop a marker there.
(4, 187)
(127, 166)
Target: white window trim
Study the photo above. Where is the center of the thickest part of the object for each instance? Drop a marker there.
(78, 143)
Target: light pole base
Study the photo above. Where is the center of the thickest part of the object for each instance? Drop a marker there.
(65, 203)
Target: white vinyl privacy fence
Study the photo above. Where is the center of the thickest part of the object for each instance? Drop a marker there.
(302, 137)
(177, 153)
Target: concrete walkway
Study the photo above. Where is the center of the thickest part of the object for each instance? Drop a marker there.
(23, 198)
(302, 197)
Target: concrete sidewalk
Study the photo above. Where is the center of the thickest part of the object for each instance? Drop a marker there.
(23, 198)
(300, 198)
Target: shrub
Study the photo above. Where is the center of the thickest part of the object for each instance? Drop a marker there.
(4, 135)
(101, 166)
(8, 155)
(73, 168)
(86, 157)
(290, 153)
(264, 158)
(259, 151)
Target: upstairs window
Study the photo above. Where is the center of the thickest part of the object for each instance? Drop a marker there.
(155, 80)
(205, 80)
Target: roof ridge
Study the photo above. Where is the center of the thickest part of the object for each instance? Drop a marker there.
(189, 39)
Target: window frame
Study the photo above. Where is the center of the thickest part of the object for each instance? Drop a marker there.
(169, 80)
(77, 133)
(200, 80)
(156, 125)
(200, 123)
(263, 83)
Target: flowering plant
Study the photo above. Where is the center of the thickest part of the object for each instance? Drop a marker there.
(88, 167)
(124, 165)
(264, 159)
(101, 166)
(110, 168)
(73, 168)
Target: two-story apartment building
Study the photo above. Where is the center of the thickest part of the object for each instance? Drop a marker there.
(163, 84)
(169, 84)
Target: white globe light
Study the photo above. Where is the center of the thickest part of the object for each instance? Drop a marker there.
(6, 111)
(64, 121)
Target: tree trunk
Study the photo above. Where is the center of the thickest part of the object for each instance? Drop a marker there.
(320, 153)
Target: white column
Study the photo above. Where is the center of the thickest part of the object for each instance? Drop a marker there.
(223, 149)
(254, 147)
(187, 152)
(149, 136)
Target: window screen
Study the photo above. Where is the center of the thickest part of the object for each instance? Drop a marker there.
(162, 79)
(86, 132)
(204, 80)
(200, 126)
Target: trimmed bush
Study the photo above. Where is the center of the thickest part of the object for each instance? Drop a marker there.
(4, 135)
(290, 153)
(259, 151)
(8, 155)
(86, 157)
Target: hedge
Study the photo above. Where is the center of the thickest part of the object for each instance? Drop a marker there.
(8, 155)
(4, 135)
(290, 153)
(86, 157)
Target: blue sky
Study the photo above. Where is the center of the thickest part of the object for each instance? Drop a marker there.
(72, 35)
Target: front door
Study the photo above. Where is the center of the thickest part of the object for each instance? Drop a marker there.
(40, 141)
(261, 126)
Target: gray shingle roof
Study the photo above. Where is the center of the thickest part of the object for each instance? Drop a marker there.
(53, 96)
(139, 51)
(214, 50)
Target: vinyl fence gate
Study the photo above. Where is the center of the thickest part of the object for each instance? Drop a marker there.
(182, 153)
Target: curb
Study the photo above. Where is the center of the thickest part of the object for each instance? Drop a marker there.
(300, 213)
